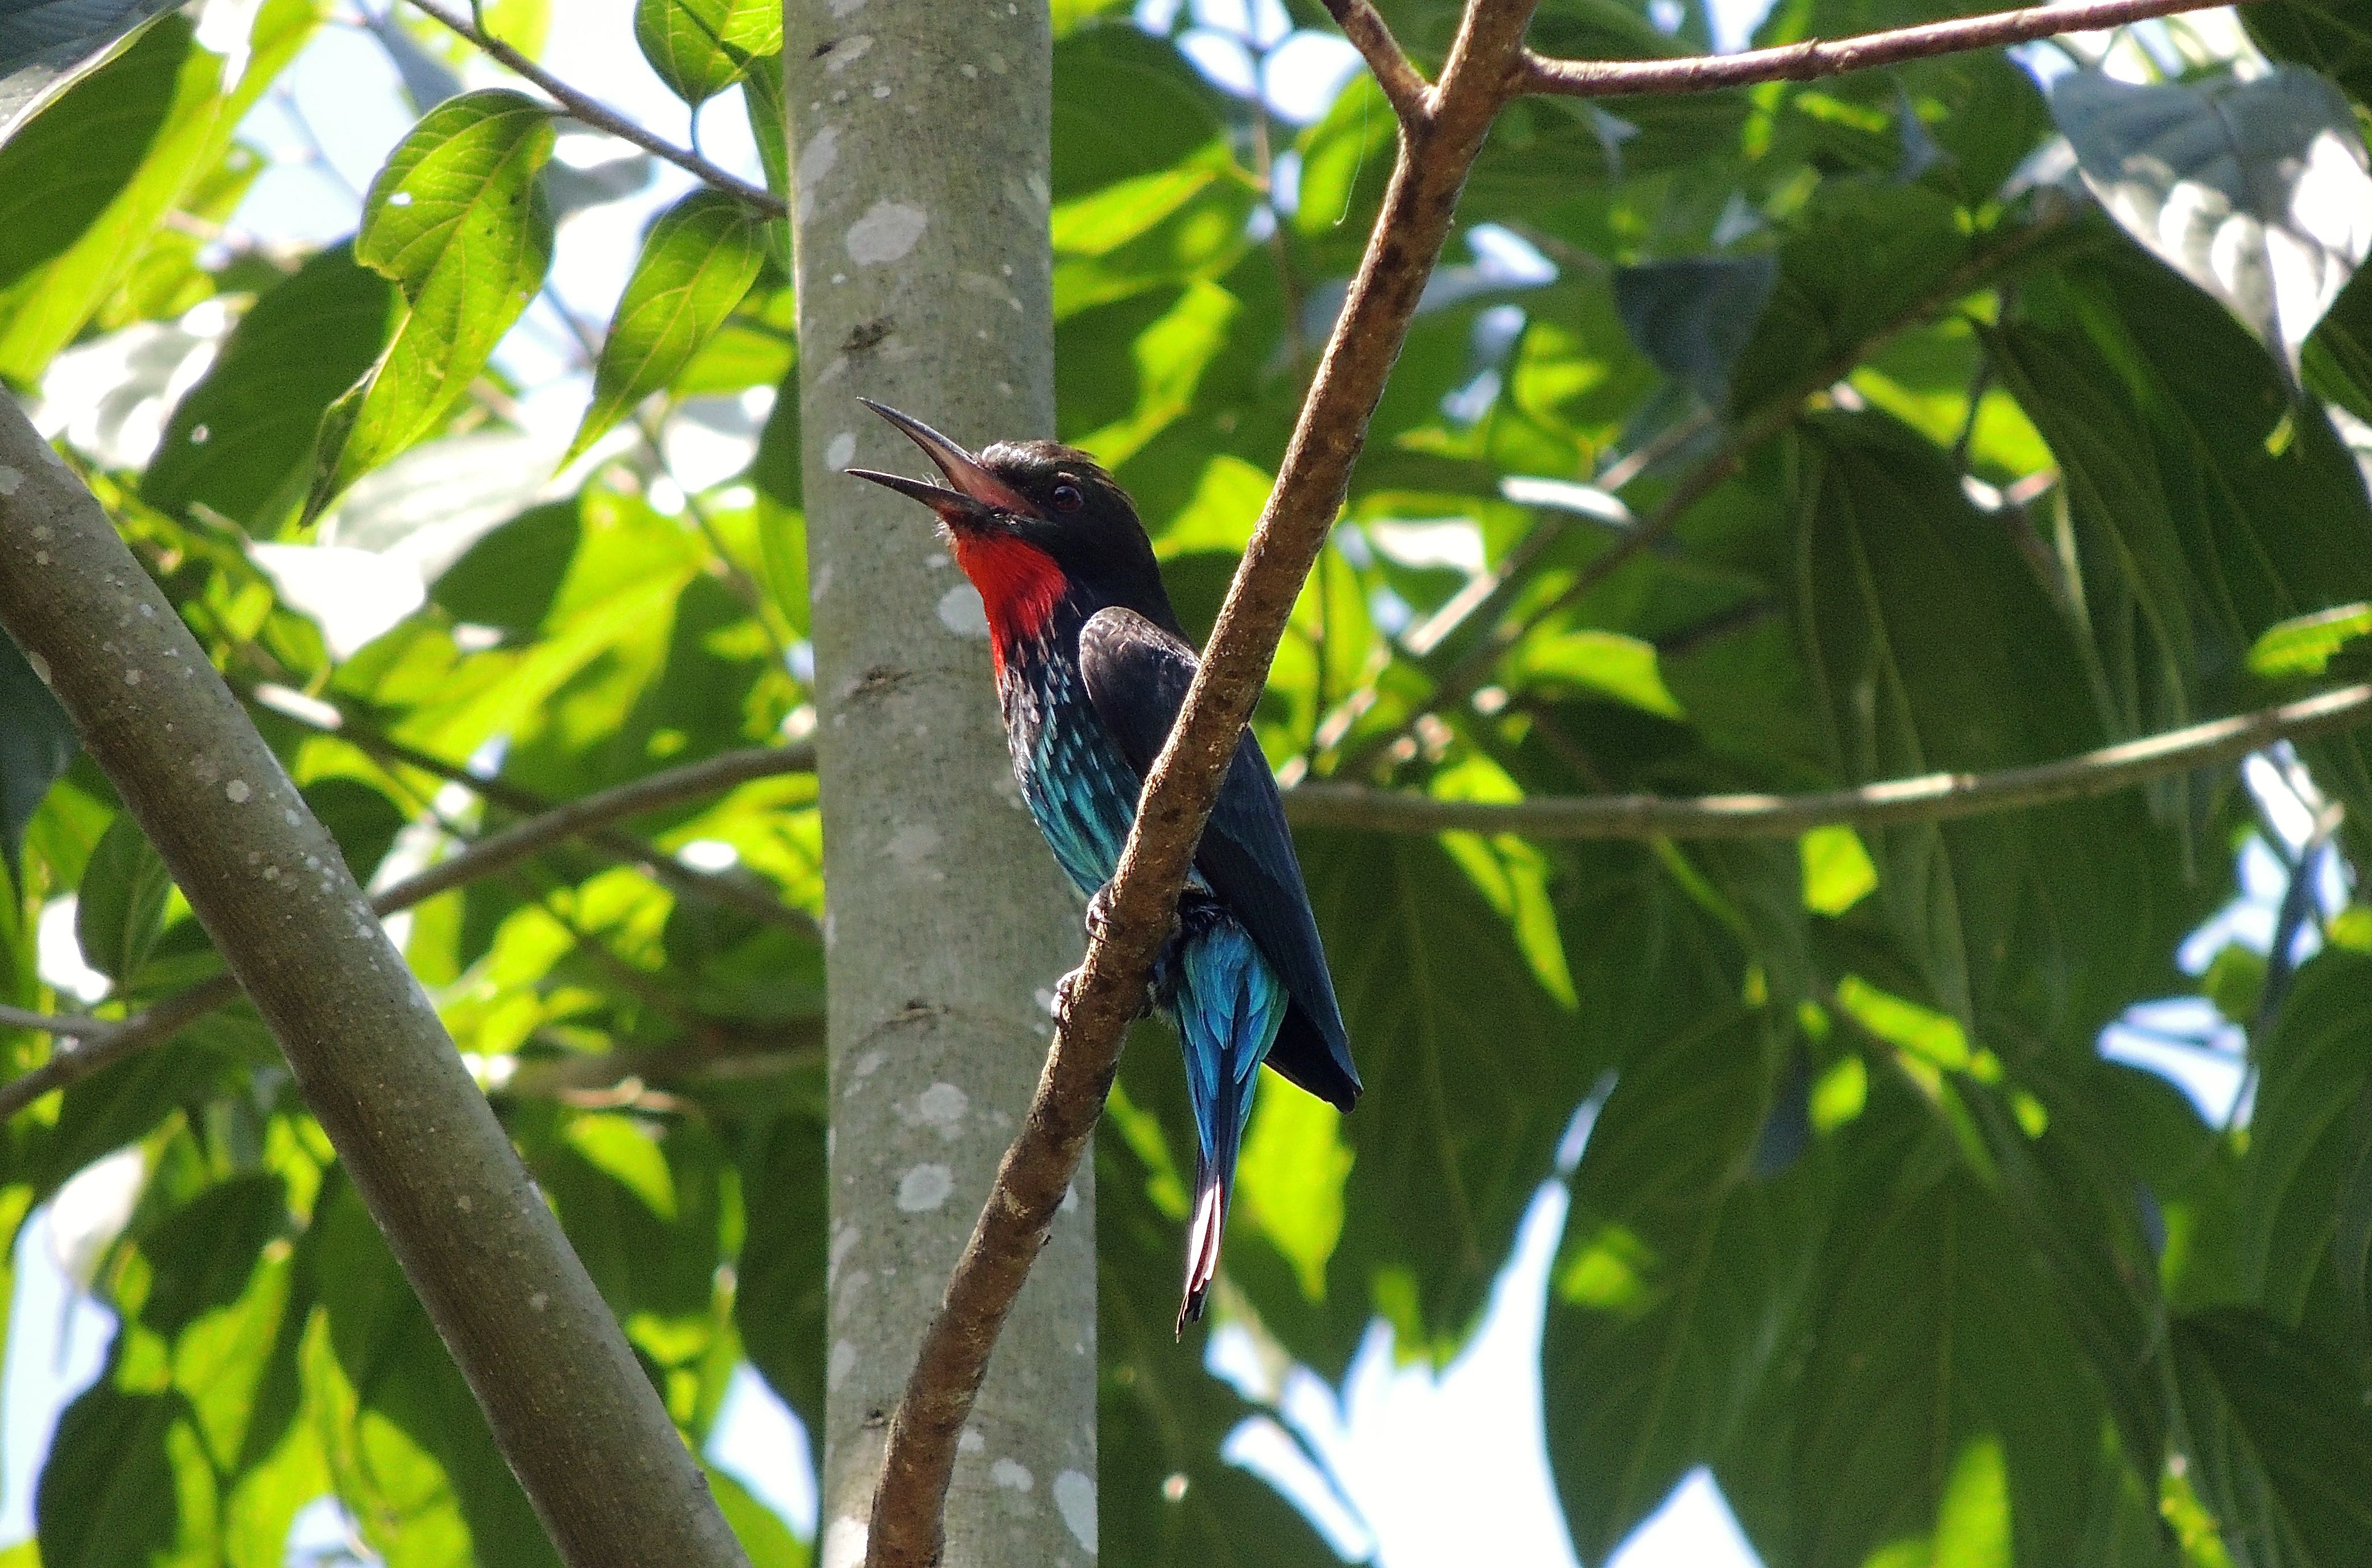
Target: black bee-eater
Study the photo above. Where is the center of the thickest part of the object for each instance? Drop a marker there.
(1092, 670)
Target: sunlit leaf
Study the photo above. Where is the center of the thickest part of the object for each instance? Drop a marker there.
(2306, 644)
(87, 182)
(701, 46)
(698, 263)
(459, 220)
(2256, 190)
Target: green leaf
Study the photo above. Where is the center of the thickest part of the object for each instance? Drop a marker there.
(1694, 318)
(779, 1301)
(1679, 1277)
(1932, 648)
(1943, 1402)
(1837, 870)
(699, 261)
(2213, 178)
(86, 183)
(763, 1536)
(1164, 1498)
(1419, 953)
(2307, 1141)
(238, 441)
(119, 910)
(47, 44)
(149, 1464)
(2306, 644)
(2203, 512)
(1858, 258)
(761, 101)
(701, 46)
(2282, 1436)
(2234, 981)
(36, 743)
(2331, 36)
(460, 222)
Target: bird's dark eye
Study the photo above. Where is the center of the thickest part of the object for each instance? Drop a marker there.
(1066, 497)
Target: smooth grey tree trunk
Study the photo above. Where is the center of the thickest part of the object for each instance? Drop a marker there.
(919, 139)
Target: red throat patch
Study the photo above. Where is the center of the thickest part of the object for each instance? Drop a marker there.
(1018, 582)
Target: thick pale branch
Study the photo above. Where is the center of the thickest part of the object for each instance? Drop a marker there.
(1404, 85)
(1933, 798)
(1815, 57)
(599, 116)
(906, 1530)
(570, 1407)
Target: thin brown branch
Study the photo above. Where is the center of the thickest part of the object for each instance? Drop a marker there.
(726, 1050)
(599, 116)
(1404, 85)
(669, 870)
(907, 1529)
(1932, 797)
(112, 1042)
(1814, 58)
(697, 781)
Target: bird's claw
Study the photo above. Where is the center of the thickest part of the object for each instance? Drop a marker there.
(1066, 997)
(1099, 918)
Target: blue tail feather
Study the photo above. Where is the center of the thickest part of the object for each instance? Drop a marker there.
(1230, 1005)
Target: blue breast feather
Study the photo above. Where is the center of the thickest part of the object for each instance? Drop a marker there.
(1224, 998)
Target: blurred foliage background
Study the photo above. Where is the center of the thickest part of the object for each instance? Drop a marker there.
(1769, 440)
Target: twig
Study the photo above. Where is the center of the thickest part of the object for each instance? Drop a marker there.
(907, 1529)
(665, 869)
(1932, 797)
(1814, 58)
(600, 116)
(500, 851)
(496, 853)
(1404, 85)
(724, 1051)
(65, 1026)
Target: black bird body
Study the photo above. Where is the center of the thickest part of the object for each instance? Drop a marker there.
(1092, 671)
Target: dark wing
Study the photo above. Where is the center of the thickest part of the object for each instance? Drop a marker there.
(1137, 676)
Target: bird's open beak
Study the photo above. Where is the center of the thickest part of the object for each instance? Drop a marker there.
(976, 496)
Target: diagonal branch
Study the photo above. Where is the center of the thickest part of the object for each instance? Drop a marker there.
(1814, 58)
(600, 116)
(1404, 85)
(696, 781)
(907, 1529)
(570, 1408)
(1932, 797)
(89, 1045)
